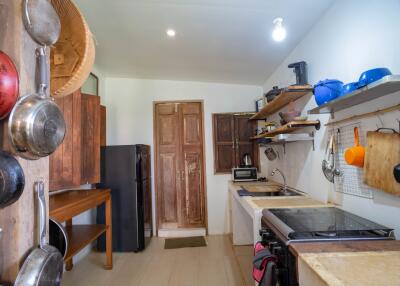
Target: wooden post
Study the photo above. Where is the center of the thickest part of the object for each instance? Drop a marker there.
(19, 221)
(109, 247)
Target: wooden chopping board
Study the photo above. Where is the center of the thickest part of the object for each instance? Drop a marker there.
(382, 154)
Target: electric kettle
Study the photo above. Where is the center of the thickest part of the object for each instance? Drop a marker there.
(247, 162)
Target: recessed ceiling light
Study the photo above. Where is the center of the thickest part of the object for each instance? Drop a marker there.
(171, 33)
(279, 32)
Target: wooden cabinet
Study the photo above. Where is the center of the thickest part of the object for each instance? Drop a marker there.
(77, 160)
(232, 133)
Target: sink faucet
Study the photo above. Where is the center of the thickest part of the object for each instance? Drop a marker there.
(283, 176)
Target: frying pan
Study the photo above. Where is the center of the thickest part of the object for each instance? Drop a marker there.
(41, 21)
(9, 85)
(396, 173)
(12, 180)
(36, 125)
(58, 236)
(44, 265)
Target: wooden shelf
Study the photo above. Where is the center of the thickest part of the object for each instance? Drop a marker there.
(290, 127)
(79, 236)
(387, 85)
(287, 95)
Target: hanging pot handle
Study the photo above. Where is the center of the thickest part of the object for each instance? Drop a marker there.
(43, 75)
(388, 129)
(39, 187)
(356, 137)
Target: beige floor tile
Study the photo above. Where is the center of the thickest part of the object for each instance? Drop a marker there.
(216, 264)
(246, 267)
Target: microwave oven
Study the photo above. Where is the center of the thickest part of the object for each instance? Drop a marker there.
(245, 174)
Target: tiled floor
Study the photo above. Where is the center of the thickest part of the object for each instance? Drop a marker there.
(217, 264)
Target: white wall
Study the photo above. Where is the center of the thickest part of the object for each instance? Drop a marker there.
(351, 37)
(130, 121)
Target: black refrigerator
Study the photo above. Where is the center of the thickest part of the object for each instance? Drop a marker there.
(126, 171)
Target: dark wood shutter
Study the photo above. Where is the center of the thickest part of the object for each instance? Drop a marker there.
(232, 134)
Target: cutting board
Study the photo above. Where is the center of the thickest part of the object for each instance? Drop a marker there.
(382, 154)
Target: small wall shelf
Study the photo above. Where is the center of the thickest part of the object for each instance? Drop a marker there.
(288, 128)
(387, 85)
(283, 139)
(287, 95)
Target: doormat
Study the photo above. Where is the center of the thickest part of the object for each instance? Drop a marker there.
(182, 242)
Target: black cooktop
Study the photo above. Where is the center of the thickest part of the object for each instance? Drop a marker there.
(327, 223)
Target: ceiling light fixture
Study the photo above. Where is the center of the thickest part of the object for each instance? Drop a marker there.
(171, 33)
(279, 32)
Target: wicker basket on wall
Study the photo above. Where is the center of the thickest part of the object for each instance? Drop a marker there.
(72, 57)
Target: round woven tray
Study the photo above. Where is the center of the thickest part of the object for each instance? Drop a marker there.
(72, 57)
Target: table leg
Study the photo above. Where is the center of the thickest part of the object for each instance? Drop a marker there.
(109, 251)
(69, 263)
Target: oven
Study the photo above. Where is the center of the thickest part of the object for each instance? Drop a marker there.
(286, 270)
(245, 174)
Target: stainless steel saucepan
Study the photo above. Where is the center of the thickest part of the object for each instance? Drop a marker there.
(36, 125)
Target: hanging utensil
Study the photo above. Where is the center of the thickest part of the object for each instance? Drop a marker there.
(270, 153)
(41, 21)
(12, 180)
(336, 171)
(44, 265)
(58, 237)
(36, 124)
(355, 155)
(326, 165)
(9, 85)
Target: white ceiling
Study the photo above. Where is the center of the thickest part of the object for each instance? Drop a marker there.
(217, 40)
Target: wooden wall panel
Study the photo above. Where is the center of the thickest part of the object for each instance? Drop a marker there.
(19, 221)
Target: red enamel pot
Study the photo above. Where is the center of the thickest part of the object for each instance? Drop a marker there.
(9, 85)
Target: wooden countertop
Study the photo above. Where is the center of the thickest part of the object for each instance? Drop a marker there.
(350, 268)
(344, 246)
(287, 202)
(66, 205)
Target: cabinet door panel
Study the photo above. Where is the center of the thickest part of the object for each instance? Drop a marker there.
(65, 162)
(244, 130)
(90, 139)
(224, 152)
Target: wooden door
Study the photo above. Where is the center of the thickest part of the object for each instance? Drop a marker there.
(167, 164)
(192, 197)
(179, 165)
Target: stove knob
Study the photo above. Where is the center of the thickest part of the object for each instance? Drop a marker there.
(266, 234)
(276, 249)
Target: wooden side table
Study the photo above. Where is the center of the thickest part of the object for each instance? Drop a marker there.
(63, 207)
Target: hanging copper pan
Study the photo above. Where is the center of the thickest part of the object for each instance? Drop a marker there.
(9, 85)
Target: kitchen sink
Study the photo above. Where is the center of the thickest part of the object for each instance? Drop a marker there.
(278, 193)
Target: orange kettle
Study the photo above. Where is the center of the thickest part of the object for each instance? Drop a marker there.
(355, 155)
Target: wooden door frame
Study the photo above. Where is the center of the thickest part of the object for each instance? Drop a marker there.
(155, 137)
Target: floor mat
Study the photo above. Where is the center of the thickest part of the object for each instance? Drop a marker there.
(182, 242)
